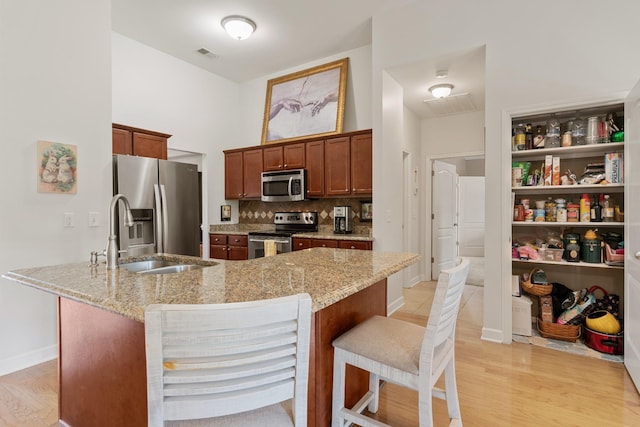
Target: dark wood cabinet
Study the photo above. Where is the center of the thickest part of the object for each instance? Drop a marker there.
(361, 164)
(242, 174)
(300, 243)
(233, 176)
(337, 155)
(336, 167)
(139, 142)
(355, 244)
(282, 157)
(315, 168)
(228, 246)
(252, 173)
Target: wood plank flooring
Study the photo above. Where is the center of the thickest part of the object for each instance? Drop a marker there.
(499, 385)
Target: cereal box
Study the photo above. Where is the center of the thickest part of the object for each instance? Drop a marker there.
(614, 168)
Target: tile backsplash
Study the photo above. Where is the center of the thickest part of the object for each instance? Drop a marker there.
(258, 212)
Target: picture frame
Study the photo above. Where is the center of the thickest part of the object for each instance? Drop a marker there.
(57, 167)
(366, 211)
(225, 213)
(306, 103)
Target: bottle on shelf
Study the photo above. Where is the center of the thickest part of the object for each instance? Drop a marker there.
(538, 138)
(596, 210)
(519, 138)
(528, 137)
(607, 209)
(585, 208)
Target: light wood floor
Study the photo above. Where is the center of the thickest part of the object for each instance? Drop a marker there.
(499, 385)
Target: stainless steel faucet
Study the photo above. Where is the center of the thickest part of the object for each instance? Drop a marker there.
(112, 242)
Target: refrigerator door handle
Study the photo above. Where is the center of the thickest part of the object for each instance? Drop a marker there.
(159, 218)
(165, 218)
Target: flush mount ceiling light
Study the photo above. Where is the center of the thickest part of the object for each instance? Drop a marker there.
(441, 91)
(238, 27)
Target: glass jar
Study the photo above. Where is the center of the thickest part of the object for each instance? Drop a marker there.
(578, 132)
(553, 133)
(519, 138)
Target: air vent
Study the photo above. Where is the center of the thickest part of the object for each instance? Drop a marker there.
(454, 104)
(206, 52)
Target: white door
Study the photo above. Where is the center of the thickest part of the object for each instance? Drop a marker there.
(632, 235)
(471, 216)
(444, 229)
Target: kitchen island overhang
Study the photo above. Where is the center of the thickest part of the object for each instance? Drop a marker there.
(101, 313)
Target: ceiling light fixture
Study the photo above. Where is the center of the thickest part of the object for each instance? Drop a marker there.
(441, 91)
(238, 27)
(441, 74)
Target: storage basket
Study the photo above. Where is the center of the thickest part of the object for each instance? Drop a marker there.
(559, 332)
(611, 256)
(531, 286)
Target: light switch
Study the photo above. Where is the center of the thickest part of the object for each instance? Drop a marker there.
(69, 219)
(94, 219)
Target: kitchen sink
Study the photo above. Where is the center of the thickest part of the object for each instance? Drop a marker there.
(163, 266)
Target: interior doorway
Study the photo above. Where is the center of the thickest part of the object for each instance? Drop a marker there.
(466, 217)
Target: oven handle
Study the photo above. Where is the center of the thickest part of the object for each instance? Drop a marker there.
(262, 240)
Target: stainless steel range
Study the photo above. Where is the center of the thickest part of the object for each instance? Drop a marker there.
(287, 224)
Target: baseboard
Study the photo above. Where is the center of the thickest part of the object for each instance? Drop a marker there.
(412, 282)
(395, 306)
(493, 335)
(27, 360)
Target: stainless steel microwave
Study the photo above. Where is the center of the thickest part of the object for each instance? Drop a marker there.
(284, 186)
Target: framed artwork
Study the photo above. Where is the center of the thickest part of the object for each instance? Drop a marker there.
(306, 103)
(225, 213)
(57, 168)
(366, 211)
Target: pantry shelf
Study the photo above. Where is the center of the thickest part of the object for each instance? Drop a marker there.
(573, 189)
(567, 224)
(574, 152)
(569, 264)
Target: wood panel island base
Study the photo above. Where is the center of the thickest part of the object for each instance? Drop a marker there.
(102, 372)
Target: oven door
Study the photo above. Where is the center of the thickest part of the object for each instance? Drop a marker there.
(256, 245)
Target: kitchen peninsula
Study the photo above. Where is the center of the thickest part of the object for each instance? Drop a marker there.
(102, 378)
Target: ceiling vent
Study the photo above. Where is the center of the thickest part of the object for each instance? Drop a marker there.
(454, 104)
(206, 52)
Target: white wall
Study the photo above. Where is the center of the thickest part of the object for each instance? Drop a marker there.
(523, 69)
(413, 231)
(55, 82)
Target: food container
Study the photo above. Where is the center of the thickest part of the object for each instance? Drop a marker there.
(591, 251)
(604, 343)
(550, 254)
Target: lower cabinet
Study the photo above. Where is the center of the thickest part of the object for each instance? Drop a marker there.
(300, 243)
(228, 246)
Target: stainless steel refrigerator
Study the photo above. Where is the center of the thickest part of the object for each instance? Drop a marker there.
(165, 202)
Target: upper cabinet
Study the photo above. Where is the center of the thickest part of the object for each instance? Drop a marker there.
(337, 166)
(242, 174)
(291, 156)
(348, 166)
(139, 142)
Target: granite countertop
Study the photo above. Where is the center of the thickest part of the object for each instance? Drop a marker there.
(327, 274)
(324, 232)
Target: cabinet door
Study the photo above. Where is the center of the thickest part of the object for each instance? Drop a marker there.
(218, 251)
(315, 168)
(237, 240)
(237, 253)
(294, 156)
(146, 145)
(121, 141)
(233, 176)
(324, 243)
(300, 243)
(218, 239)
(354, 244)
(361, 165)
(337, 166)
(252, 173)
(272, 158)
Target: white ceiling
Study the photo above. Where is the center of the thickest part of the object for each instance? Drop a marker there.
(289, 33)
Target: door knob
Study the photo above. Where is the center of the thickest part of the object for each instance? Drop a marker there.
(637, 255)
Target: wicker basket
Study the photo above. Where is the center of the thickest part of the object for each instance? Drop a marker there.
(539, 289)
(559, 332)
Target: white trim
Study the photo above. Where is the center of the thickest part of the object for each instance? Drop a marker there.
(29, 359)
(492, 335)
(395, 306)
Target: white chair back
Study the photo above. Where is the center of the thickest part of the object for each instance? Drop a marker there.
(441, 325)
(211, 360)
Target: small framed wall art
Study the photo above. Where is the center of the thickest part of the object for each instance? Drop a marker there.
(366, 211)
(57, 168)
(225, 213)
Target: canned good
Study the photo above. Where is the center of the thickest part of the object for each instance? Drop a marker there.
(573, 212)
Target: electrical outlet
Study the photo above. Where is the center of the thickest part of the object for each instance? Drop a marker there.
(69, 219)
(94, 219)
